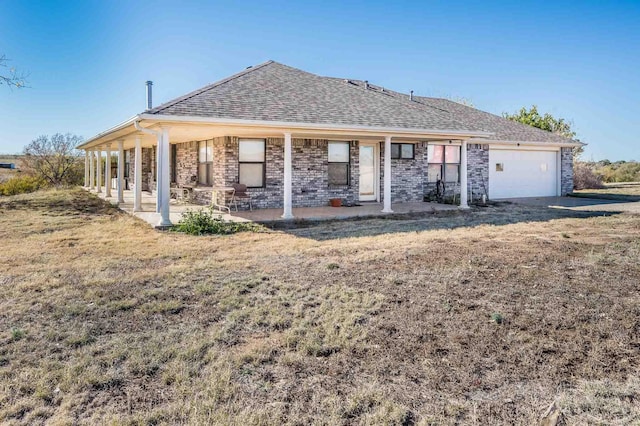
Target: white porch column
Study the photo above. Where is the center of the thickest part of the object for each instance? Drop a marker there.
(288, 210)
(137, 177)
(92, 174)
(164, 178)
(120, 171)
(98, 171)
(107, 173)
(159, 172)
(387, 175)
(463, 177)
(86, 168)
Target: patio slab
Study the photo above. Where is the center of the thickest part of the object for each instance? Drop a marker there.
(177, 209)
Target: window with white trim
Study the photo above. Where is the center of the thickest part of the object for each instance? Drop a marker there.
(444, 163)
(251, 162)
(205, 163)
(339, 163)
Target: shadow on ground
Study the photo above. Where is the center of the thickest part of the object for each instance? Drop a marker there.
(60, 203)
(504, 213)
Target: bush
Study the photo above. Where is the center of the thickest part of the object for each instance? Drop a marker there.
(206, 221)
(20, 185)
(584, 177)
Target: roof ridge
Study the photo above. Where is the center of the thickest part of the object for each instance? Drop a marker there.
(398, 99)
(400, 96)
(210, 86)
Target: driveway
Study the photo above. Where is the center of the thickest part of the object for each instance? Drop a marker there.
(580, 204)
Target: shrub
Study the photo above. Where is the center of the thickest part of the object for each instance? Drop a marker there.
(206, 221)
(20, 185)
(584, 177)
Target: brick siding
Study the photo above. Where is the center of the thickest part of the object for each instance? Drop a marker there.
(566, 171)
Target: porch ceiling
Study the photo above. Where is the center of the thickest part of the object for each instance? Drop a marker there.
(186, 132)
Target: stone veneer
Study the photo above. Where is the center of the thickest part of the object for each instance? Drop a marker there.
(408, 177)
(147, 181)
(310, 187)
(478, 171)
(566, 171)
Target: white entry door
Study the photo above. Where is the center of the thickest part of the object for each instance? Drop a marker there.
(517, 173)
(368, 174)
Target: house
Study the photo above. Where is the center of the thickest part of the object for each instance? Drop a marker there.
(297, 139)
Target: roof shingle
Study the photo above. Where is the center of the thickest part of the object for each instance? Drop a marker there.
(275, 92)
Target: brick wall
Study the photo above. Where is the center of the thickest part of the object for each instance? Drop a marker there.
(566, 171)
(310, 186)
(408, 177)
(478, 171)
(310, 172)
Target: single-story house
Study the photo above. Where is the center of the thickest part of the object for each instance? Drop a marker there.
(296, 139)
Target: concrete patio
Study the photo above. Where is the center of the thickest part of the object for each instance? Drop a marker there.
(178, 208)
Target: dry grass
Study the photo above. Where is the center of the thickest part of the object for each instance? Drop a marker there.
(103, 320)
(624, 190)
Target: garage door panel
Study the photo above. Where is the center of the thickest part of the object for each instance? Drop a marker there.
(521, 173)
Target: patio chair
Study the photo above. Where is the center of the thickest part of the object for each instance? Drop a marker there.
(240, 193)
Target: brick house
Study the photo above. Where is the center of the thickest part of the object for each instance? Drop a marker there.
(297, 139)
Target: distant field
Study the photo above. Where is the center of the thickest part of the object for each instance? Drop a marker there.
(481, 317)
(8, 173)
(623, 191)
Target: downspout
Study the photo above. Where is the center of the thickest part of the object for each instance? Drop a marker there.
(158, 135)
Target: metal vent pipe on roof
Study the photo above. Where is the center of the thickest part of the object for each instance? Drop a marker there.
(366, 84)
(149, 93)
(411, 95)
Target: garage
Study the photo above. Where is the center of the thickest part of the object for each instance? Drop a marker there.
(517, 173)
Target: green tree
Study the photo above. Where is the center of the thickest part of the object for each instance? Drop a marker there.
(546, 122)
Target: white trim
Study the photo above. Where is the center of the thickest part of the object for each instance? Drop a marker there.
(310, 126)
(464, 187)
(525, 148)
(387, 176)
(524, 143)
(115, 128)
(282, 125)
(376, 170)
(287, 210)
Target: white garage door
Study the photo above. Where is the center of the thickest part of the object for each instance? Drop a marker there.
(521, 173)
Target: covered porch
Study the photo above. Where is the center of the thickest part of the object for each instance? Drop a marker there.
(159, 133)
(178, 208)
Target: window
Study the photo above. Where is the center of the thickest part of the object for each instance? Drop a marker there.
(402, 151)
(154, 164)
(499, 167)
(251, 159)
(174, 163)
(205, 163)
(338, 163)
(444, 163)
(127, 163)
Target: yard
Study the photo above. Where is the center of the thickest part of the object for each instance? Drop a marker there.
(482, 317)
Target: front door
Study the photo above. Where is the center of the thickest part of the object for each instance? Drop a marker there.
(368, 175)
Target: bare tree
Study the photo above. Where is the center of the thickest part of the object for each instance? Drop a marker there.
(9, 76)
(54, 159)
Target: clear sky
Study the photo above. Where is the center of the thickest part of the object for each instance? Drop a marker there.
(88, 60)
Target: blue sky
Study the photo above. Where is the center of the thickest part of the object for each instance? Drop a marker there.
(88, 61)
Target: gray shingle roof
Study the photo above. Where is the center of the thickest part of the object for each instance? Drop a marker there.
(275, 92)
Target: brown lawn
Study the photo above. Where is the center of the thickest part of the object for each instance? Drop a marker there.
(483, 317)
